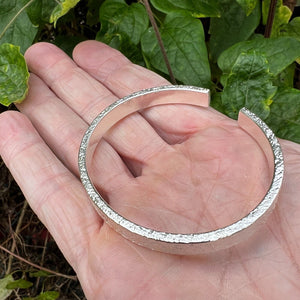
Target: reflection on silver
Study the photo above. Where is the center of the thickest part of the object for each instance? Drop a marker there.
(186, 244)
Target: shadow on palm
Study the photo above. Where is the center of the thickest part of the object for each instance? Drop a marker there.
(204, 177)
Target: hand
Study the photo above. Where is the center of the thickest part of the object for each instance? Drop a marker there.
(174, 168)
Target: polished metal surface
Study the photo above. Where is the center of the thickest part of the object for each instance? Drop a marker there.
(194, 243)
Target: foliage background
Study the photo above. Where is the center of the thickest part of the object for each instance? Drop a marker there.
(219, 44)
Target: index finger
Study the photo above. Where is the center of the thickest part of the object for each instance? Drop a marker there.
(52, 191)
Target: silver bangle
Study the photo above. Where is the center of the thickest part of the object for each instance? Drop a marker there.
(177, 243)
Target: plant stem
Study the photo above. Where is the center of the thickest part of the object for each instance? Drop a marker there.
(13, 246)
(37, 266)
(270, 19)
(160, 42)
(43, 256)
(14, 18)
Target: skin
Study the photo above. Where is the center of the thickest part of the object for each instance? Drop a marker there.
(174, 168)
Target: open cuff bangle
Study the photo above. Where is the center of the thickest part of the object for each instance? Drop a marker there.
(179, 243)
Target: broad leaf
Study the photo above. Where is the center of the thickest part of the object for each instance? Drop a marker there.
(286, 77)
(291, 29)
(4, 292)
(123, 43)
(247, 5)
(216, 102)
(282, 15)
(19, 284)
(50, 295)
(183, 39)
(197, 8)
(119, 18)
(280, 53)
(122, 26)
(40, 11)
(16, 29)
(284, 118)
(233, 26)
(13, 75)
(249, 85)
(61, 9)
(39, 273)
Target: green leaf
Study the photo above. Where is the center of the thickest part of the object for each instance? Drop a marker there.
(233, 26)
(282, 15)
(122, 26)
(13, 75)
(280, 53)
(216, 102)
(247, 5)
(15, 26)
(183, 39)
(40, 11)
(61, 9)
(118, 18)
(197, 8)
(123, 43)
(286, 77)
(284, 118)
(39, 273)
(291, 29)
(4, 292)
(249, 85)
(50, 295)
(19, 284)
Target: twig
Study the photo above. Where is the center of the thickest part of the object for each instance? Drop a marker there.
(270, 19)
(76, 296)
(14, 18)
(43, 255)
(13, 246)
(37, 266)
(17, 295)
(45, 246)
(160, 41)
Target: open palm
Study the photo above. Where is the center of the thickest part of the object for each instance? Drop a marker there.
(174, 168)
